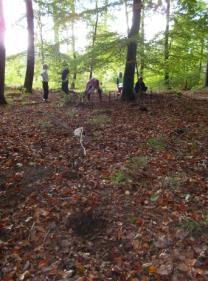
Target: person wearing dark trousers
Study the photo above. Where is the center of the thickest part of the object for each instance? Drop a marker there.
(44, 76)
(119, 83)
(65, 81)
(140, 86)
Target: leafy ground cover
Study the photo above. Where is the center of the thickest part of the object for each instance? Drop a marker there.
(134, 208)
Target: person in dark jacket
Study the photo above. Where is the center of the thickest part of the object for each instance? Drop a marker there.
(140, 86)
(65, 81)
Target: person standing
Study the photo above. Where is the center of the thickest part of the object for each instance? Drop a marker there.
(119, 83)
(140, 86)
(65, 81)
(44, 76)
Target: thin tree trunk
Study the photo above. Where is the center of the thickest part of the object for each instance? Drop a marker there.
(40, 27)
(73, 47)
(2, 55)
(31, 49)
(94, 39)
(142, 41)
(56, 26)
(127, 17)
(166, 52)
(206, 77)
(128, 85)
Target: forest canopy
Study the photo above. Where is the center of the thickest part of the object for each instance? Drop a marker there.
(91, 38)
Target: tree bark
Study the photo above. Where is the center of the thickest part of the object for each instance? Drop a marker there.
(206, 78)
(31, 49)
(56, 26)
(73, 46)
(127, 16)
(166, 51)
(128, 85)
(94, 39)
(2, 55)
(40, 27)
(142, 45)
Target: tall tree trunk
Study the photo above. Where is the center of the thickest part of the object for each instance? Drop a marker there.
(127, 16)
(166, 51)
(94, 39)
(206, 77)
(31, 49)
(127, 29)
(73, 46)
(2, 55)
(56, 25)
(142, 43)
(128, 85)
(40, 27)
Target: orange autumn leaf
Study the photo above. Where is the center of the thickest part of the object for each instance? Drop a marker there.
(152, 269)
(43, 263)
(139, 221)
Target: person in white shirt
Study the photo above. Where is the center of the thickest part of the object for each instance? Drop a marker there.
(44, 76)
(119, 83)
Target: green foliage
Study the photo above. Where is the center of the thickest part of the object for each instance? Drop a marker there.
(72, 112)
(119, 178)
(157, 143)
(100, 119)
(187, 48)
(139, 162)
(193, 226)
(174, 181)
(44, 123)
(154, 198)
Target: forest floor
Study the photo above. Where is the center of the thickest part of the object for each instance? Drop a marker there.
(135, 208)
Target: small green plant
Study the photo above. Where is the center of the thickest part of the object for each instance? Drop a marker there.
(44, 123)
(194, 146)
(103, 111)
(154, 198)
(174, 181)
(140, 162)
(72, 112)
(100, 119)
(179, 94)
(157, 143)
(119, 178)
(193, 226)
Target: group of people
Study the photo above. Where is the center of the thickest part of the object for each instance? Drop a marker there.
(93, 85)
(139, 86)
(64, 79)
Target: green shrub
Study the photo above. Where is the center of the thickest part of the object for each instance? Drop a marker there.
(139, 162)
(100, 119)
(119, 178)
(193, 226)
(44, 123)
(157, 143)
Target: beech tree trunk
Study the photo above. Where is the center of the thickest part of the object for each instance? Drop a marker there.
(56, 25)
(128, 82)
(166, 52)
(2, 55)
(206, 78)
(31, 49)
(142, 45)
(127, 16)
(40, 27)
(94, 39)
(73, 46)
